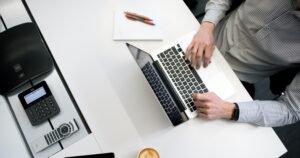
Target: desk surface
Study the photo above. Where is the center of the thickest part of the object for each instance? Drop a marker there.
(116, 100)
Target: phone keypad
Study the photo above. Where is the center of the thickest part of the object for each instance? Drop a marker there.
(42, 110)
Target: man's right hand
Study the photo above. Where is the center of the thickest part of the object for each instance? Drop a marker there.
(202, 46)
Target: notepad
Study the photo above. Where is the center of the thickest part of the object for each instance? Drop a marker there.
(125, 29)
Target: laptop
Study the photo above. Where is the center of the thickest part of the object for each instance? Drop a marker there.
(174, 81)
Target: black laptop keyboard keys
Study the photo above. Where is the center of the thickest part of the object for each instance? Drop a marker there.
(182, 75)
(162, 94)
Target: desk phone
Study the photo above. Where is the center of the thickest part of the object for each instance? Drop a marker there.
(39, 104)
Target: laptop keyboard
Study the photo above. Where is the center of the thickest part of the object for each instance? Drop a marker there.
(162, 94)
(184, 78)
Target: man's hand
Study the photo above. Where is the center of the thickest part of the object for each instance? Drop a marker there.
(201, 46)
(210, 106)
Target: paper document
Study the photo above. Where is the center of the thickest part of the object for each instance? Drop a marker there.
(126, 29)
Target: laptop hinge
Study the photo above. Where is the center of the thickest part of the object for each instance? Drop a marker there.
(184, 116)
(169, 87)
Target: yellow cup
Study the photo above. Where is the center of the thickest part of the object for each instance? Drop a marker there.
(148, 153)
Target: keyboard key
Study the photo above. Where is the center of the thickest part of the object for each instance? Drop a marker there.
(163, 96)
(180, 71)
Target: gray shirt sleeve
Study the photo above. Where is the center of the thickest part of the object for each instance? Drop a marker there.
(284, 110)
(215, 10)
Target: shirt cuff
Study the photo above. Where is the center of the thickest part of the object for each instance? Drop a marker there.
(213, 16)
(248, 112)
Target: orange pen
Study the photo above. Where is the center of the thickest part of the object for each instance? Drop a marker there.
(138, 15)
(134, 18)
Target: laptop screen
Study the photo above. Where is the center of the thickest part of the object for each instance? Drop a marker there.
(140, 56)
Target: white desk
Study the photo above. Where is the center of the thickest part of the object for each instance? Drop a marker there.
(12, 143)
(115, 98)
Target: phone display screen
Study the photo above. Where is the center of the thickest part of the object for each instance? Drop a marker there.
(34, 95)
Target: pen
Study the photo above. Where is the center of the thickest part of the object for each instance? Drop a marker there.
(130, 17)
(138, 15)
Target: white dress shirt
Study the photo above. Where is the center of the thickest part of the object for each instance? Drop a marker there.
(258, 39)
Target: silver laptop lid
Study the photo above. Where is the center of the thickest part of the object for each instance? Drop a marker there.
(140, 56)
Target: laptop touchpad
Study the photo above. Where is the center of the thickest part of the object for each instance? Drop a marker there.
(216, 81)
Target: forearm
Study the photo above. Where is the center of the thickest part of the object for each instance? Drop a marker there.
(285, 110)
(208, 27)
(267, 113)
(216, 10)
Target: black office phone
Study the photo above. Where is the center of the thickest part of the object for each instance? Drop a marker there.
(39, 103)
